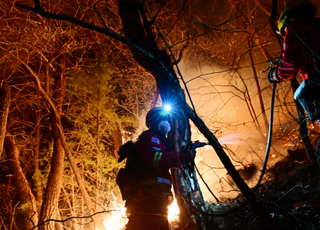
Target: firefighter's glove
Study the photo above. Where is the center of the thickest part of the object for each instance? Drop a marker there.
(187, 156)
(197, 144)
(273, 76)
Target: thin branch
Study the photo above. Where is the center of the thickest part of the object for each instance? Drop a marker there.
(64, 17)
(70, 218)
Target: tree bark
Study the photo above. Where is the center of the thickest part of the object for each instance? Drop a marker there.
(37, 171)
(21, 184)
(117, 140)
(54, 184)
(4, 112)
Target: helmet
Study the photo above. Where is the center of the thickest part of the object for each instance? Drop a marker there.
(296, 9)
(157, 114)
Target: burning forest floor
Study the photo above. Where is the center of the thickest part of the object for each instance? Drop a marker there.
(291, 197)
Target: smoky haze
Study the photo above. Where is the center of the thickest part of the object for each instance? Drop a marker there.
(225, 113)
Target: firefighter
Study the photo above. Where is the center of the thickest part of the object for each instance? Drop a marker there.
(147, 207)
(300, 55)
(300, 51)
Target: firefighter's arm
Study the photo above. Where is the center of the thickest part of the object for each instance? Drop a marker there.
(286, 70)
(172, 159)
(292, 57)
(189, 154)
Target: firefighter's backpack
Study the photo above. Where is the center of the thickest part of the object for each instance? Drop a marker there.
(129, 177)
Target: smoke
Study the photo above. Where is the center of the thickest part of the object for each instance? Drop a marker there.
(219, 100)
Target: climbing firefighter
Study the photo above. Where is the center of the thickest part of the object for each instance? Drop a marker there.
(146, 186)
(301, 55)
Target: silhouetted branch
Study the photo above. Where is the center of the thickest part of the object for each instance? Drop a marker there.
(71, 218)
(37, 9)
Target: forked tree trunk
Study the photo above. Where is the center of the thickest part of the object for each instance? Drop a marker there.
(54, 184)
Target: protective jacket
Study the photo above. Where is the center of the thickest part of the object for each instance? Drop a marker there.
(300, 51)
(155, 156)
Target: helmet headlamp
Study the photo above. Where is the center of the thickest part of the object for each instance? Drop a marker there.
(167, 107)
(158, 114)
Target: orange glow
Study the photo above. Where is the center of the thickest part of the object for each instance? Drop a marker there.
(117, 219)
(173, 211)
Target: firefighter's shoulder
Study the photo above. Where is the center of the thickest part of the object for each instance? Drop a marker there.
(150, 137)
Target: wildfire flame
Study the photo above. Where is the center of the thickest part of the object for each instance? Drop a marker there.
(117, 219)
(173, 211)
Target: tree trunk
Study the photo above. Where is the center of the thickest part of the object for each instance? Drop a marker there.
(4, 111)
(117, 140)
(185, 182)
(21, 184)
(37, 171)
(53, 189)
(54, 184)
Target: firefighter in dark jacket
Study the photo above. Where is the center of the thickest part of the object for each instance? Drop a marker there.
(147, 207)
(301, 55)
(300, 49)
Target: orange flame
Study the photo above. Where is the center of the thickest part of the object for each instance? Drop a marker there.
(117, 219)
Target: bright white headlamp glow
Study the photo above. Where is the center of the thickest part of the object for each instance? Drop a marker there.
(167, 107)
